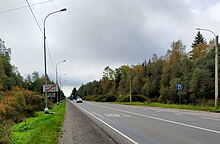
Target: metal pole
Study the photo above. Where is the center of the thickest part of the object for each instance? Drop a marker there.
(216, 64)
(57, 83)
(130, 87)
(46, 110)
(61, 86)
(216, 72)
(57, 79)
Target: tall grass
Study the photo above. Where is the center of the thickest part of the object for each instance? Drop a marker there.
(187, 107)
(42, 129)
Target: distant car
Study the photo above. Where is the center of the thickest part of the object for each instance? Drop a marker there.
(71, 97)
(79, 100)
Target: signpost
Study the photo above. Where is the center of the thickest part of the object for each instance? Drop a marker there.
(179, 87)
(50, 88)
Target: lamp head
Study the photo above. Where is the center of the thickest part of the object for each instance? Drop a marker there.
(64, 9)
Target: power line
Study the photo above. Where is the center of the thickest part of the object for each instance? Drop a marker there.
(34, 16)
(50, 57)
(41, 32)
(8, 10)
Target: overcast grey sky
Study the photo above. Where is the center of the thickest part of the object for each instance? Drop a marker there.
(93, 34)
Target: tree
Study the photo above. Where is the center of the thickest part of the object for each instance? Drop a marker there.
(124, 85)
(35, 76)
(199, 46)
(74, 92)
(202, 84)
(2, 73)
(198, 39)
(137, 74)
(171, 69)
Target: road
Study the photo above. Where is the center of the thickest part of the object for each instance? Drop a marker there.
(147, 125)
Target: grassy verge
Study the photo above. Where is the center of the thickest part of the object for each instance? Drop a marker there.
(44, 128)
(187, 107)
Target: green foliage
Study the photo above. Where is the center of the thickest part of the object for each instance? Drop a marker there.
(139, 98)
(110, 98)
(198, 40)
(5, 131)
(18, 104)
(156, 80)
(43, 128)
(123, 98)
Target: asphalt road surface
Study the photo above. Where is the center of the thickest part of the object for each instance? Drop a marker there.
(147, 125)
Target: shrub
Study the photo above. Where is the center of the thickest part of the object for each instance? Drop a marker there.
(123, 98)
(139, 98)
(110, 98)
(5, 131)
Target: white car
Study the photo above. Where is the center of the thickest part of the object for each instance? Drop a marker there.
(79, 100)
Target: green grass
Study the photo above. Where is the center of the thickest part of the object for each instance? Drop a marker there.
(175, 106)
(42, 129)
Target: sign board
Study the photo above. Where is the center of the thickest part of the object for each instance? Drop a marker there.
(179, 87)
(50, 88)
(51, 95)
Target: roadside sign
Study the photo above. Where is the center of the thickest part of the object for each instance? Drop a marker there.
(51, 95)
(179, 87)
(50, 88)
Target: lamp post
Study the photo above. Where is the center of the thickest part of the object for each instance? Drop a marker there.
(61, 84)
(57, 76)
(216, 64)
(46, 110)
(130, 82)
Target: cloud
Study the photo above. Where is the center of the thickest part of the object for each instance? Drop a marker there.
(93, 34)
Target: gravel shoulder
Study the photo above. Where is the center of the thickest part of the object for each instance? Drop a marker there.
(80, 129)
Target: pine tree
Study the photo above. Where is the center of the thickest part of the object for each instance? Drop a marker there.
(198, 39)
(199, 46)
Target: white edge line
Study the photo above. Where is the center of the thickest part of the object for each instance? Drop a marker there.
(210, 118)
(164, 120)
(109, 126)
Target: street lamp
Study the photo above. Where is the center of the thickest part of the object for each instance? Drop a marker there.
(130, 82)
(57, 76)
(46, 110)
(216, 64)
(61, 84)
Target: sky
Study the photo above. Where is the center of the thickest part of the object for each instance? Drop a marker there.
(93, 34)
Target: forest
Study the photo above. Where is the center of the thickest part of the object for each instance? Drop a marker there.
(155, 80)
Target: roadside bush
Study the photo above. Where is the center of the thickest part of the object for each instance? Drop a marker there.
(15, 105)
(20, 103)
(110, 98)
(135, 98)
(123, 98)
(99, 98)
(90, 98)
(139, 98)
(5, 131)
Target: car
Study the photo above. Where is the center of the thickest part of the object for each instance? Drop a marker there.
(71, 97)
(79, 100)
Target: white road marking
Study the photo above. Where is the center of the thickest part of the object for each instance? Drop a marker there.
(116, 115)
(160, 119)
(210, 118)
(108, 125)
(178, 114)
